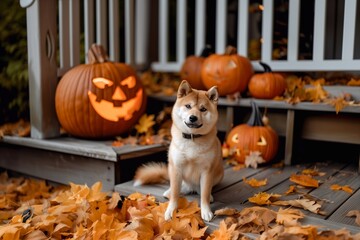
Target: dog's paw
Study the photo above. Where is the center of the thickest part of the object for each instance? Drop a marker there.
(169, 211)
(206, 214)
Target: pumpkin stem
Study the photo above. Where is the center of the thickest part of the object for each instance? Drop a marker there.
(230, 50)
(207, 51)
(266, 67)
(97, 54)
(255, 117)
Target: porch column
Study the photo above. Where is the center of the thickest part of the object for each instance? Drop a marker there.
(41, 40)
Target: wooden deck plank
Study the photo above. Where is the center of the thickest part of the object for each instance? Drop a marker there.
(241, 191)
(347, 176)
(351, 203)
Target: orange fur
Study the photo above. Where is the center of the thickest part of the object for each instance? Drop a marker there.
(151, 173)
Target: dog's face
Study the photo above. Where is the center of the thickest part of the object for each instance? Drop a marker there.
(195, 111)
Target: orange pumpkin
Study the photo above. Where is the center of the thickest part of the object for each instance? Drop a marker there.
(191, 69)
(267, 85)
(99, 99)
(230, 72)
(253, 136)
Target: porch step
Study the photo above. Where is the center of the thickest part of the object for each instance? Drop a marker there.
(67, 159)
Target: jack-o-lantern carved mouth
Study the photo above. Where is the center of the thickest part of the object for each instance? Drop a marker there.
(108, 111)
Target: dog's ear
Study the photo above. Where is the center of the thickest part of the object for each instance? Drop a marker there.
(184, 89)
(213, 94)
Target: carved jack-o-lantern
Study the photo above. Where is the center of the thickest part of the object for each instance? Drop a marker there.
(253, 136)
(229, 72)
(99, 99)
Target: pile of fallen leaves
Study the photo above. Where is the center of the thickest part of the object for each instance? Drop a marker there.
(20, 128)
(32, 209)
(150, 129)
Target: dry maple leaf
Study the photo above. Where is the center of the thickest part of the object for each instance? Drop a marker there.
(316, 93)
(338, 103)
(304, 180)
(288, 217)
(354, 213)
(354, 82)
(145, 123)
(312, 172)
(254, 182)
(291, 189)
(226, 212)
(223, 232)
(264, 198)
(253, 159)
(306, 204)
(346, 188)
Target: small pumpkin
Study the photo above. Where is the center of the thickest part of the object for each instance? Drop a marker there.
(191, 68)
(230, 72)
(267, 85)
(100, 99)
(253, 136)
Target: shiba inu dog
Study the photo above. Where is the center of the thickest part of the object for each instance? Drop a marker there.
(194, 157)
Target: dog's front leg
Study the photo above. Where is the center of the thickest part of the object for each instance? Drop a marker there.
(175, 185)
(205, 188)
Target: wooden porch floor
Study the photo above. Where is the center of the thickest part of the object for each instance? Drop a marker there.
(234, 192)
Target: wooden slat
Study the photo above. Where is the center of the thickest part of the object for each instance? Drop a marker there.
(267, 31)
(114, 39)
(319, 30)
(221, 13)
(89, 34)
(163, 30)
(74, 32)
(101, 23)
(243, 27)
(349, 30)
(64, 44)
(129, 32)
(200, 26)
(181, 30)
(142, 33)
(293, 29)
(289, 141)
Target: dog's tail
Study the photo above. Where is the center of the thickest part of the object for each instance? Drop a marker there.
(151, 173)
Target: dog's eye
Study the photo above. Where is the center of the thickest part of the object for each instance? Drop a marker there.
(203, 109)
(188, 106)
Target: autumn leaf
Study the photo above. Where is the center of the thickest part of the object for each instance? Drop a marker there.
(254, 182)
(354, 82)
(226, 212)
(288, 217)
(291, 189)
(354, 213)
(253, 159)
(304, 180)
(312, 172)
(346, 188)
(306, 204)
(145, 123)
(338, 103)
(264, 198)
(223, 232)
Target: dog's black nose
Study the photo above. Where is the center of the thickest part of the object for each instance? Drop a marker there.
(193, 118)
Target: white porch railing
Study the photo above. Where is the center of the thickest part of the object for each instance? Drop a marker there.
(101, 24)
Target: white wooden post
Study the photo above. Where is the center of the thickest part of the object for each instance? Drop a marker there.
(41, 39)
(142, 27)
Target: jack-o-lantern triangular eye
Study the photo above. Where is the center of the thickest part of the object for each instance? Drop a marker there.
(130, 82)
(231, 64)
(262, 141)
(235, 138)
(101, 82)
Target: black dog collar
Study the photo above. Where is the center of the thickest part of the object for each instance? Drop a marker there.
(191, 136)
